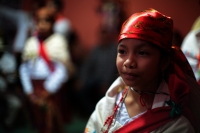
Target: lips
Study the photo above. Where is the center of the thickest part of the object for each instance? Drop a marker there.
(129, 76)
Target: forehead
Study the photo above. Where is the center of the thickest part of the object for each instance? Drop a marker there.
(136, 43)
(43, 12)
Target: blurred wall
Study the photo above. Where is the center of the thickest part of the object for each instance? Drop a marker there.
(85, 20)
(82, 14)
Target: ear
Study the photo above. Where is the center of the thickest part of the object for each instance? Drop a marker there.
(164, 63)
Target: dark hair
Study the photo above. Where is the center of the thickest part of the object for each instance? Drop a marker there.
(49, 18)
(163, 53)
(58, 3)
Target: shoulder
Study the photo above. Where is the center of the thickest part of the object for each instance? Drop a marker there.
(104, 107)
(56, 36)
(31, 39)
(190, 37)
(31, 42)
(102, 110)
(179, 125)
(57, 39)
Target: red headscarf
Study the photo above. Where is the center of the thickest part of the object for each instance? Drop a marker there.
(149, 25)
(154, 27)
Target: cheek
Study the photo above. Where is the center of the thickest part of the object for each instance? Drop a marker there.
(153, 67)
(47, 26)
(119, 63)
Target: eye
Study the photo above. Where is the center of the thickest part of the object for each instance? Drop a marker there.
(143, 53)
(121, 51)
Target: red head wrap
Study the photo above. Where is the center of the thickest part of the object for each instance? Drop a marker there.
(154, 27)
(149, 25)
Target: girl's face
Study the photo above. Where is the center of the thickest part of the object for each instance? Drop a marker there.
(43, 21)
(138, 63)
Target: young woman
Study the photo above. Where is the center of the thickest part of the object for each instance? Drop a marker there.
(153, 91)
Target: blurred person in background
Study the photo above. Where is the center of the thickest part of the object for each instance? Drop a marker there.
(191, 48)
(8, 82)
(12, 12)
(62, 23)
(46, 67)
(22, 22)
(78, 54)
(196, 24)
(99, 69)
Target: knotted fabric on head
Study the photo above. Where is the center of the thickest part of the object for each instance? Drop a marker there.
(156, 28)
(149, 25)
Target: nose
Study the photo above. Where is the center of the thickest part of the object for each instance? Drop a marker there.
(130, 62)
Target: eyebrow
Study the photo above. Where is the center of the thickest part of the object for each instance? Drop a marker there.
(139, 45)
(121, 45)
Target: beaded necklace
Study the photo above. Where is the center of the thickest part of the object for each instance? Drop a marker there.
(111, 119)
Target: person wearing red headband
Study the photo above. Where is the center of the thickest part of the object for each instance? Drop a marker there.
(156, 90)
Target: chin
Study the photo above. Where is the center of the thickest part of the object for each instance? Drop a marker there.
(130, 83)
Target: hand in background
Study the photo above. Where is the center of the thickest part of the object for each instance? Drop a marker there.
(40, 98)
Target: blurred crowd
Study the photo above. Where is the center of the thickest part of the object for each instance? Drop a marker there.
(46, 76)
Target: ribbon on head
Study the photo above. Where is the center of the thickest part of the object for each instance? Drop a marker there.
(149, 25)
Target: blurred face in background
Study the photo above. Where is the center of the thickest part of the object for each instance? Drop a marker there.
(44, 22)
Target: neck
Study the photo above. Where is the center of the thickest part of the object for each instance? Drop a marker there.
(43, 37)
(133, 103)
(150, 86)
(133, 96)
(146, 92)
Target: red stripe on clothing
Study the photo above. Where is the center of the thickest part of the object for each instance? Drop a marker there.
(44, 55)
(148, 122)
